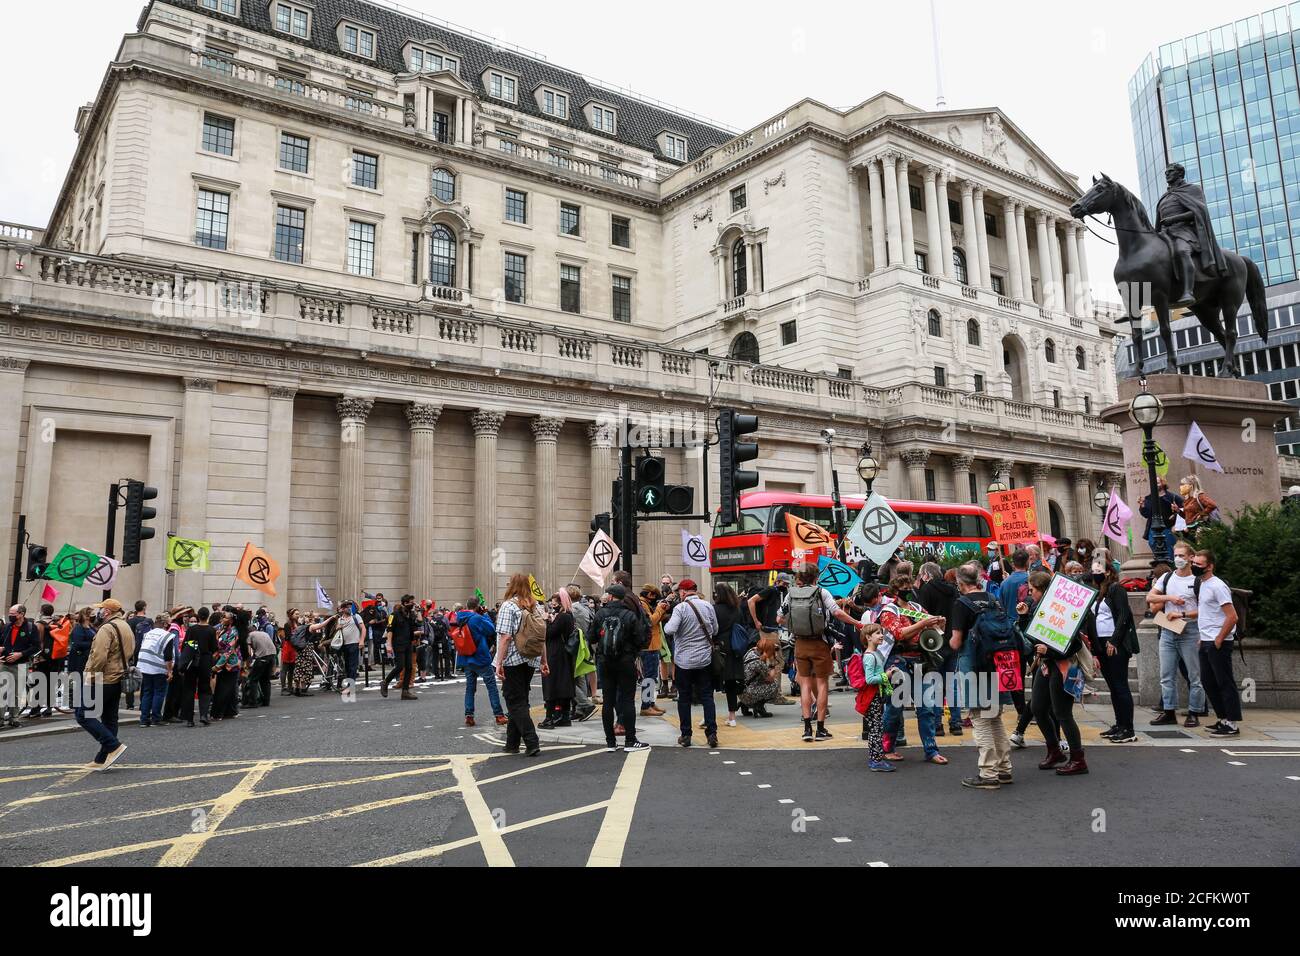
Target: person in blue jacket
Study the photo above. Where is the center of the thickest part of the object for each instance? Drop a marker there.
(479, 664)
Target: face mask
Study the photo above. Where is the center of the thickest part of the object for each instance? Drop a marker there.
(1180, 563)
(1098, 577)
(1184, 490)
(1198, 571)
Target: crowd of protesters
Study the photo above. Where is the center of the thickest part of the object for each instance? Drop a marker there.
(623, 652)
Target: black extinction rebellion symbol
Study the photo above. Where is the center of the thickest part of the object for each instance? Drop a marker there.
(185, 554)
(102, 574)
(259, 570)
(73, 566)
(836, 575)
(602, 554)
(880, 525)
(695, 549)
(1113, 523)
(1205, 452)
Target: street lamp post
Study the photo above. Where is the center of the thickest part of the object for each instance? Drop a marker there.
(867, 466)
(837, 508)
(1146, 410)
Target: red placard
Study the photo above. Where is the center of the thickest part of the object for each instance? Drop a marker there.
(1015, 516)
(1011, 676)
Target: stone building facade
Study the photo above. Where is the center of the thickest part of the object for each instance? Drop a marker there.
(361, 288)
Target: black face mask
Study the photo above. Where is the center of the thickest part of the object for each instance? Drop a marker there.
(1198, 571)
(1098, 578)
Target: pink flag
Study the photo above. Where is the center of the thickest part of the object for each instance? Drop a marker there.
(49, 594)
(1118, 515)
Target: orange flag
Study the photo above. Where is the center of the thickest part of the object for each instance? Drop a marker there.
(258, 569)
(805, 534)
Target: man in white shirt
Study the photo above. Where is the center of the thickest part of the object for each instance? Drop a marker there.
(1217, 623)
(692, 626)
(1175, 595)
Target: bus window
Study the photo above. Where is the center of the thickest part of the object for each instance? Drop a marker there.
(752, 521)
(975, 526)
(818, 516)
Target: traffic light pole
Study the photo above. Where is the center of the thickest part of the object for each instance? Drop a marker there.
(111, 532)
(627, 528)
(19, 548)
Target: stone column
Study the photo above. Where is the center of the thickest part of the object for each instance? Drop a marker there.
(1085, 286)
(751, 267)
(13, 373)
(353, 410)
(423, 421)
(1022, 248)
(855, 217)
(603, 468)
(1040, 473)
(961, 466)
(933, 233)
(915, 459)
(877, 216)
(487, 424)
(1058, 273)
(1072, 285)
(1046, 290)
(905, 215)
(945, 224)
(192, 500)
(999, 470)
(982, 238)
(546, 436)
(1086, 516)
(721, 259)
(279, 455)
(1012, 241)
(973, 267)
(893, 228)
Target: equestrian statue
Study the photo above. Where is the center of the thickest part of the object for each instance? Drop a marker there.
(1177, 264)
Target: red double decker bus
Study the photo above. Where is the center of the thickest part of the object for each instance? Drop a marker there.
(748, 551)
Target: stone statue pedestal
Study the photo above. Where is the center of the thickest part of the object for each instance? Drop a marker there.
(1236, 416)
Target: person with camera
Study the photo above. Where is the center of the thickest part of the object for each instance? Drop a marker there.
(658, 606)
(905, 620)
(478, 666)
(693, 626)
(403, 634)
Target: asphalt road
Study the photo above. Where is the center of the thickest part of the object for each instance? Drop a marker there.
(326, 782)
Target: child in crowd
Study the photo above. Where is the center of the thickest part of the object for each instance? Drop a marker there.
(871, 696)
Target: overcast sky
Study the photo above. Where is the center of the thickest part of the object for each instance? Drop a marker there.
(1062, 78)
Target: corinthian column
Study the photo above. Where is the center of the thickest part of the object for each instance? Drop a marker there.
(192, 500)
(546, 435)
(1022, 245)
(1040, 473)
(915, 459)
(945, 223)
(905, 215)
(933, 234)
(279, 452)
(893, 233)
(1086, 517)
(1072, 284)
(13, 373)
(1058, 273)
(1081, 236)
(353, 410)
(972, 250)
(1012, 242)
(1047, 292)
(982, 239)
(961, 466)
(486, 424)
(877, 216)
(603, 469)
(423, 420)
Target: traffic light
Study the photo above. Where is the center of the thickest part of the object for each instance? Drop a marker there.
(732, 454)
(137, 512)
(649, 491)
(602, 522)
(38, 559)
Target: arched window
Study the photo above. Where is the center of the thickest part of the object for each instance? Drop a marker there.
(936, 324)
(739, 268)
(959, 264)
(744, 348)
(442, 256)
(1080, 358)
(972, 332)
(444, 185)
(1049, 351)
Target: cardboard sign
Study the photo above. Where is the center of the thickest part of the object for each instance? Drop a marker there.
(1060, 613)
(1011, 676)
(1015, 516)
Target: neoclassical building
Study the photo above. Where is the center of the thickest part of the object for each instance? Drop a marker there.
(360, 287)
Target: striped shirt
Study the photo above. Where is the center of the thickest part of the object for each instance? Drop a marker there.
(510, 617)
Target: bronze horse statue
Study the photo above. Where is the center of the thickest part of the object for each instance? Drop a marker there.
(1145, 276)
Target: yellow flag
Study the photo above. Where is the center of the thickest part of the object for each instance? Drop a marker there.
(538, 594)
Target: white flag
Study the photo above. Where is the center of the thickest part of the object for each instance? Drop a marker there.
(598, 563)
(695, 553)
(1118, 515)
(1198, 449)
(322, 597)
(103, 574)
(877, 530)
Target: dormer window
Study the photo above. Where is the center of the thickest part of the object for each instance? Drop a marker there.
(501, 87)
(293, 20)
(673, 146)
(422, 60)
(555, 104)
(602, 119)
(357, 40)
(228, 7)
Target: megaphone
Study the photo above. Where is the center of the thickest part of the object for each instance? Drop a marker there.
(931, 641)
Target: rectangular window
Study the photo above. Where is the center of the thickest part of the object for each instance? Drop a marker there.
(979, 382)
(991, 224)
(212, 220)
(556, 104)
(287, 82)
(218, 135)
(440, 126)
(930, 491)
(294, 152)
(620, 232)
(516, 206)
(738, 199)
(501, 87)
(571, 289)
(361, 248)
(291, 20)
(789, 332)
(415, 258)
(350, 39)
(358, 41)
(1056, 398)
(1087, 404)
(921, 261)
(221, 6)
(974, 494)
(954, 211)
(602, 119)
(509, 142)
(570, 219)
(365, 170)
(290, 233)
(516, 277)
(675, 148)
(622, 306)
(844, 372)
(914, 198)
(998, 285)
(940, 376)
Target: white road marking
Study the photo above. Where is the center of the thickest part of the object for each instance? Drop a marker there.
(786, 800)
(1293, 778)
(728, 762)
(746, 773)
(878, 863)
(843, 839)
(765, 786)
(714, 753)
(1236, 763)
(812, 819)
(1188, 750)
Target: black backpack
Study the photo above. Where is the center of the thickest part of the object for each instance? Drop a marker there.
(300, 637)
(992, 633)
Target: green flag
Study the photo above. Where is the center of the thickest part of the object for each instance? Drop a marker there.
(479, 596)
(1162, 462)
(71, 565)
(187, 554)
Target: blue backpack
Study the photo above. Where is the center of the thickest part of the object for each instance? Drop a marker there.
(994, 631)
(739, 639)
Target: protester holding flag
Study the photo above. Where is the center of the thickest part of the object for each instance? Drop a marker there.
(1171, 506)
(1198, 507)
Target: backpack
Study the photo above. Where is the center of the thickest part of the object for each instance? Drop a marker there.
(1240, 600)
(739, 639)
(990, 634)
(463, 639)
(807, 615)
(855, 672)
(530, 639)
(613, 641)
(300, 638)
(60, 635)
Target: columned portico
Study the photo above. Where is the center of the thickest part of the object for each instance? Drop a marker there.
(423, 422)
(893, 228)
(915, 459)
(961, 471)
(972, 247)
(353, 410)
(546, 434)
(192, 496)
(487, 424)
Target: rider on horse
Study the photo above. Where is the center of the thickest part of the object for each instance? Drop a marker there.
(1183, 217)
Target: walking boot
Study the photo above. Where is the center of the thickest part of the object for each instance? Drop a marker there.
(383, 688)
(1076, 765)
(1054, 757)
(408, 695)
(1166, 717)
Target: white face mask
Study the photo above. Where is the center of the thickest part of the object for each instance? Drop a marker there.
(1180, 563)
